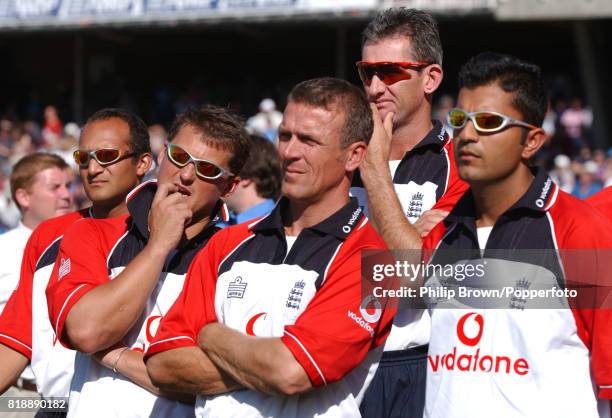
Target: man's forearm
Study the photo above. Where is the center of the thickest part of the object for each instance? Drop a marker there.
(263, 364)
(387, 213)
(105, 314)
(130, 364)
(12, 364)
(189, 370)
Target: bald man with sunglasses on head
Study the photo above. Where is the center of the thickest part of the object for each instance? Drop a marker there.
(115, 279)
(407, 182)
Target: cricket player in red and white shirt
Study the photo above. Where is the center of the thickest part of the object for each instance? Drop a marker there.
(532, 356)
(115, 278)
(25, 331)
(407, 183)
(276, 305)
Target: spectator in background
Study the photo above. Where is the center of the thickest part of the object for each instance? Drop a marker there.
(549, 124)
(576, 120)
(606, 176)
(35, 132)
(68, 143)
(266, 122)
(158, 137)
(584, 154)
(259, 186)
(40, 187)
(587, 184)
(21, 147)
(599, 158)
(52, 128)
(562, 173)
(9, 214)
(6, 142)
(445, 104)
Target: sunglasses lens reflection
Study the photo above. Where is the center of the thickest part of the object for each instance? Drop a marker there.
(391, 74)
(456, 118)
(206, 169)
(81, 158)
(388, 73)
(488, 121)
(178, 155)
(103, 156)
(106, 156)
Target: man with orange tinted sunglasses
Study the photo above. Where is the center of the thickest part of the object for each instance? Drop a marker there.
(113, 156)
(408, 170)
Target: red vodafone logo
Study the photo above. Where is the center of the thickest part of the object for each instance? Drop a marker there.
(251, 323)
(467, 358)
(461, 328)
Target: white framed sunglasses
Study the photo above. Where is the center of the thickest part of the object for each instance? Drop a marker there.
(204, 169)
(484, 121)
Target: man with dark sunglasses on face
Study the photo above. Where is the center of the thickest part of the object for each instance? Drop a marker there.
(115, 279)
(407, 183)
(25, 330)
(532, 356)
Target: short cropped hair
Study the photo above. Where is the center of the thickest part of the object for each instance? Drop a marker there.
(520, 78)
(220, 128)
(419, 26)
(263, 168)
(328, 92)
(24, 172)
(139, 133)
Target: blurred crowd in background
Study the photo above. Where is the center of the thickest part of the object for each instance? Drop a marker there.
(571, 159)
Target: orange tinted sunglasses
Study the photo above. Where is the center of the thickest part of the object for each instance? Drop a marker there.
(387, 71)
(104, 156)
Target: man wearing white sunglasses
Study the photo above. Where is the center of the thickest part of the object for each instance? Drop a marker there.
(116, 278)
(276, 304)
(534, 355)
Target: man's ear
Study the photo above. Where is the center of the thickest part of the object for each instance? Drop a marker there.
(432, 79)
(355, 154)
(533, 142)
(244, 183)
(22, 198)
(144, 164)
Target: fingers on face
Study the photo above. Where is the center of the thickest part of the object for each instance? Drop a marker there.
(375, 114)
(388, 124)
(163, 190)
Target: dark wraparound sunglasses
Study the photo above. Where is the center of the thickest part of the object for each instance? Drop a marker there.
(204, 168)
(387, 71)
(104, 156)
